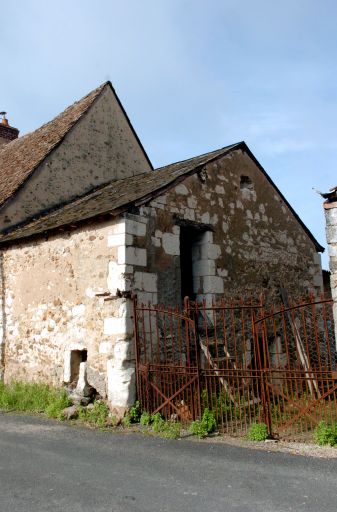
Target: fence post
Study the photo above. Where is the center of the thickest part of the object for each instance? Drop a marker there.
(262, 370)
(191, 315)
(136, 342)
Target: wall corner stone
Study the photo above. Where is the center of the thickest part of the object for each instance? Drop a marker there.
(330, 210)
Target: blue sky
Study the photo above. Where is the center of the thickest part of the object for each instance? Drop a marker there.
(192, 75)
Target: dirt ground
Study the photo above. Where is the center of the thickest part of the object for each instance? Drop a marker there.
(295, 448)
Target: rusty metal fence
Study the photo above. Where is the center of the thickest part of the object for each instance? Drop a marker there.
(297, 349)
(245, 363)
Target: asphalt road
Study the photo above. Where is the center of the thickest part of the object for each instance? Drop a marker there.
(49, 466)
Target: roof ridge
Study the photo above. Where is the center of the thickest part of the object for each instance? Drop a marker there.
(225, 148)
(51, 121)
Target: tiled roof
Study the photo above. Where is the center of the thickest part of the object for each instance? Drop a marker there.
(191, 163)
(19, 158)
(117, 195)
(120, 195)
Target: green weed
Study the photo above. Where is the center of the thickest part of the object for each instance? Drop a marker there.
(166, 429)
(258, 432)
(205, 426)
(126, 420)
(145, 419)
(96, 416)
(133, 415)
(326, 434)
(157, 422)
(135, 412)
(171, 430)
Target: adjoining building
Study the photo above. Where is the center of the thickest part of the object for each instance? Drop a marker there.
(330, 210)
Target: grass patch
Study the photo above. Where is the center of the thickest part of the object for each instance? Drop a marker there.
(32, 397)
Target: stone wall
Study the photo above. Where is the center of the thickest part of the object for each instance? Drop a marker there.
(52, 306)
(2, 320)
(250, 242)
(71, 292)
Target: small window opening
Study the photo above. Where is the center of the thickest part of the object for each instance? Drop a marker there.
(246, 183)
(76, 358)
(190, 246)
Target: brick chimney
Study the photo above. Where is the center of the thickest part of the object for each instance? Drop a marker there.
(7, 133)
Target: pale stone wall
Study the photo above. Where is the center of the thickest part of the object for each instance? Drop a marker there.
(2, 321)
(52, 308)
(99, 149)
(330, 210)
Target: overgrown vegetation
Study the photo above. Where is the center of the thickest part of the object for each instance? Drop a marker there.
(36, 398)
(227, 407)
(95, 416)
(157, 422)
(258, 432)
(133, 415)
(145, 419)
(41, 398)
(326, 434)
(205, 426)
(167, 429)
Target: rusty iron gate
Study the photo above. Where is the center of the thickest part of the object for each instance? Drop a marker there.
(246, 363)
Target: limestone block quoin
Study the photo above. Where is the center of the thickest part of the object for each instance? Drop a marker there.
(121, 385)
(132, 256)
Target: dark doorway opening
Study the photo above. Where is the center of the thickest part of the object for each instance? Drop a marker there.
(188, 237)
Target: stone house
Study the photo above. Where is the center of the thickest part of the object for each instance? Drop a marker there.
(85, 217)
